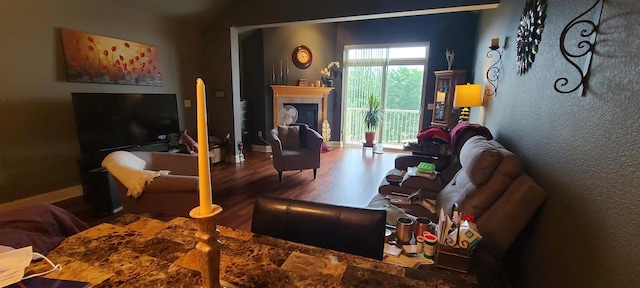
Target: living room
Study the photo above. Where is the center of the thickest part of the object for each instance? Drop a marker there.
(580, 238)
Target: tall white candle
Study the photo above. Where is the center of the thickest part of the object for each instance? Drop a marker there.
(204, 170)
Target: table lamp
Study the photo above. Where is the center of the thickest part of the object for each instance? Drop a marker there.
(469, 95)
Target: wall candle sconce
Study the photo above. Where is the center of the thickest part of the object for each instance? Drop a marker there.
(493, 73)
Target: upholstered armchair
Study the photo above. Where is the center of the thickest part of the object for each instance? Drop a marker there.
(144, 183)
(295, 148)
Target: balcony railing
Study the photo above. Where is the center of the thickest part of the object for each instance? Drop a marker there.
(399, 126)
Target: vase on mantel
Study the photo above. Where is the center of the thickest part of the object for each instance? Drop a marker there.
(329, 82)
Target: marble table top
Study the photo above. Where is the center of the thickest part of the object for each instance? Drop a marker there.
(158, 251)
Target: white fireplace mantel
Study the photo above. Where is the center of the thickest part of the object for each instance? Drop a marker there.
(301, 94)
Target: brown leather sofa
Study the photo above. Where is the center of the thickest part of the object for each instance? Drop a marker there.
(295, 148)
(358, 231)
(492, 186)
(173, 194)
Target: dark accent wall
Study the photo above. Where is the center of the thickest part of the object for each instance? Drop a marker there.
(327, 42)
(244, 13)
(276, 48)
(252, 81)
(453, 31)
(584, 151)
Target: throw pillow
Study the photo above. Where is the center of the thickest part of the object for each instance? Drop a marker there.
(302, 133)
(289, 136)
(192, 145)
(479, 159)
(461, 129)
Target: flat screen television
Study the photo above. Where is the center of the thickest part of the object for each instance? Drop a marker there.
(107, 122)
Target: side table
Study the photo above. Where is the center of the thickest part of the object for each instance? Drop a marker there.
(367, 145)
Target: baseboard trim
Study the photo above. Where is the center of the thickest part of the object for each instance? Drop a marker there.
(267, 149)
(261, 148)
(237, 158)
(49, 197)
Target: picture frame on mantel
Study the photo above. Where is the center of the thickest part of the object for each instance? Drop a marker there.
(99, 59)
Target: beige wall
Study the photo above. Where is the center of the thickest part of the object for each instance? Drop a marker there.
(39, 142)
(583, 150)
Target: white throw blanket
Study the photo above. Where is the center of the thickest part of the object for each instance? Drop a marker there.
(129, 170)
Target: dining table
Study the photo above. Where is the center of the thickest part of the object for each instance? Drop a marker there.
(149, 250)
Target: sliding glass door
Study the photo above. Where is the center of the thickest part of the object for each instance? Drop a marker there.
(395, 75)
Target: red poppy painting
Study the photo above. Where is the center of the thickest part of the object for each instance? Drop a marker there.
(100, 59)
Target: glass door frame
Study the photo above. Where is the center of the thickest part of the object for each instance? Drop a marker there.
(389, 62)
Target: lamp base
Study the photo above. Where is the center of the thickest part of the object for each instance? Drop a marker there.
(464, 115)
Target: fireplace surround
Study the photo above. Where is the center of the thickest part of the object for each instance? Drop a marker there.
(301, 94)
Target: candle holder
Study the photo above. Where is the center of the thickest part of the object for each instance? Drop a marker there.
(493, 73)
(208, 247)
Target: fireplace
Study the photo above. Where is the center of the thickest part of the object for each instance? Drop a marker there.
(307, 114)
(298, 95)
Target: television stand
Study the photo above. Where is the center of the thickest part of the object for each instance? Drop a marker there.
(102, 193)
(151, 147)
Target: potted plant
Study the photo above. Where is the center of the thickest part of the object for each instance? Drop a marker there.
(372, 118)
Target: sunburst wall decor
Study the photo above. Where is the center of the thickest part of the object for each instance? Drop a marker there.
(530, 34)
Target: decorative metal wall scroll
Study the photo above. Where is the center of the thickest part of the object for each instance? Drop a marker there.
(588, 32)
(530, 34)
(493, 73)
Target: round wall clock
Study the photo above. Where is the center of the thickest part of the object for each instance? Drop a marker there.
(529, 34)
(302, 57)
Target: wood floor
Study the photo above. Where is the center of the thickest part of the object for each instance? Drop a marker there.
(347, 176)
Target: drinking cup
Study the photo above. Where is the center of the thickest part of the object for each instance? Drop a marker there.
(404, 230)
(422, 224)
(429, 247)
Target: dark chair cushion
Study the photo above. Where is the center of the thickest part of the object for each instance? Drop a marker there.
(358, 231)
(302, 133)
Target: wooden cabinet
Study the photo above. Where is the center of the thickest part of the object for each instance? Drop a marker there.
(444, 115)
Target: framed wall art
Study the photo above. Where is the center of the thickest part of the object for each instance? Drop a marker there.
(99, 59)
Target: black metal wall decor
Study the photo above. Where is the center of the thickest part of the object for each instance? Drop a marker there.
(530, 34)
(588, 32)
(493, 73)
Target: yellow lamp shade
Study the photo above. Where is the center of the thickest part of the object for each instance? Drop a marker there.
(468, 95)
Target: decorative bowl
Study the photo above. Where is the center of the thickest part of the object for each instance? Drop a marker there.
(394, 179)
